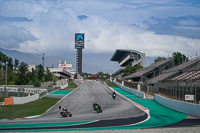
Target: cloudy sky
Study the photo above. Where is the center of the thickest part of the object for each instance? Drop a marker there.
(155, 27)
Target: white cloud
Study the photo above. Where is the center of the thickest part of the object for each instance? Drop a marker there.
(107, 26)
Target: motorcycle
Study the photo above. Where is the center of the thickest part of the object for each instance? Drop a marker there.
(97, 108)
(65, 114)
(114, 95)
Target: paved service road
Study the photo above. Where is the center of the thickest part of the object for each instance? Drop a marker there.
(80, 102)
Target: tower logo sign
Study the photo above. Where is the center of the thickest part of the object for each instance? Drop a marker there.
(79, 37)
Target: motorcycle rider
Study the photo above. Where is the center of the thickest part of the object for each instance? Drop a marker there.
(114, 95)
(96, 106)
(62, 109)
(64, 112)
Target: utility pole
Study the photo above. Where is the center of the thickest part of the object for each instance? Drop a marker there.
(6, 74)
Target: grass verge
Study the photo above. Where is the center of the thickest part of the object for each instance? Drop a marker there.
(37, 107)
(71, 86)
(110, 84)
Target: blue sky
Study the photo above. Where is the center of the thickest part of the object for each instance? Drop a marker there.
(155, 27)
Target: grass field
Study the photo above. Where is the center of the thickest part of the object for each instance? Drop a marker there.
(111, 84)
(71, 86)
(37, 107)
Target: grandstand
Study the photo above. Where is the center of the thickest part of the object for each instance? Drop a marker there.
(61, 73)
(125, 57)
(166, 80)
(150, 71)
(193, 66)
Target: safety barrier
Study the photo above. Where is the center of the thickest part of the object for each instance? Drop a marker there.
(23, 90)
(8, 101)
(22, 100)
(38, 93)
(180, 106)
(132, 91)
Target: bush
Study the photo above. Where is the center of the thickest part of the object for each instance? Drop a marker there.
(37, 84)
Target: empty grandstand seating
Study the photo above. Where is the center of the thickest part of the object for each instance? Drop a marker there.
(188, 76)
(184, 65)
(149, 69)
(161, 77)
(193, 65)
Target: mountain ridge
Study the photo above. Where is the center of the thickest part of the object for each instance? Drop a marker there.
(36, 59)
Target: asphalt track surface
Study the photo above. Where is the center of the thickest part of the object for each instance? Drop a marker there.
(116, 112)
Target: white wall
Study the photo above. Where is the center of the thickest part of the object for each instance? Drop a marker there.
(22, 100)
(180, 106)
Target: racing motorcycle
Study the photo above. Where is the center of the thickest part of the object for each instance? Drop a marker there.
(97, 108)
(65, 114)
(114, 95)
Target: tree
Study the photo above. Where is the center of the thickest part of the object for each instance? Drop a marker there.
(179, 58)
(159, 59)
(40, 72)
(22, 74)
(10, 63)
(3, 58)
(16, 63)
(48, 75)
(32, 76)
(130, 69)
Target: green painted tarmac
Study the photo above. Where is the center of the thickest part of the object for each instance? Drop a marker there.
(159, 116)
(60, 92)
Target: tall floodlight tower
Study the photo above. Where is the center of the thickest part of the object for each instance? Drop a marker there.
(43, 59)
(79, 45)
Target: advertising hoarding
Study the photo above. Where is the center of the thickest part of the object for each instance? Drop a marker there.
(79, 40)
(189, 97)
(67, 66)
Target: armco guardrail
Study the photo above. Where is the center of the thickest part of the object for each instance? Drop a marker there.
(132, 91)
(19, 86)
(25, 90)
(180, 106)
(22, 100)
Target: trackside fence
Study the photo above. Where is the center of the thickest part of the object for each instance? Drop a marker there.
(180, 91)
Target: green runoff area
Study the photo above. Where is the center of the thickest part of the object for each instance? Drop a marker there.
(159, 116)
(71, 85)
(37, 107)
(60, 92)
(33, 108)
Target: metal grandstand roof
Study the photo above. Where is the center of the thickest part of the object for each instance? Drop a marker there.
(119, 53)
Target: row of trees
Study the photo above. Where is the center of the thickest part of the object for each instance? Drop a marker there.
(178, 57)
(19, 74)
(130, 69)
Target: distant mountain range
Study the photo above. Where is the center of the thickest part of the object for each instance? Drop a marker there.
(92, 63)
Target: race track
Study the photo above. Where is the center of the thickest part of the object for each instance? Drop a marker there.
(116, 112)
